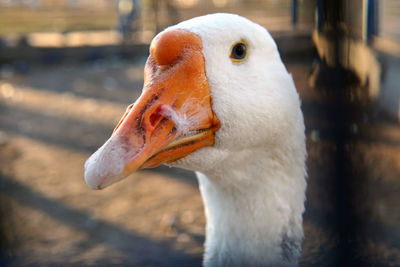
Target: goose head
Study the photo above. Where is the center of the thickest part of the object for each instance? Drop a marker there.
(218, 100)
(214, 85)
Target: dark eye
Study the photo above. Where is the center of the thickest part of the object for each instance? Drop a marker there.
(239, 51)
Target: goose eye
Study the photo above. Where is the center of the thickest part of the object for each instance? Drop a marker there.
(239, 52)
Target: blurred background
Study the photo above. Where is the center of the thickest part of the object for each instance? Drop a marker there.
(68, 70)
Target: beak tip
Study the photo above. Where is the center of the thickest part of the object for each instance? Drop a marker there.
(105, 166)
(91, 180)
(97, 180)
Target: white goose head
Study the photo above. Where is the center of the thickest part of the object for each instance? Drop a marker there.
(218, 100)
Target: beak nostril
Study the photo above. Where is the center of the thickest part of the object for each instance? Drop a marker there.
(155, 118)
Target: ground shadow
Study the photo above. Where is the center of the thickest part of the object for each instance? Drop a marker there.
(132, 245)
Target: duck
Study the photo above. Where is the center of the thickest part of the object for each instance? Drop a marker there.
(218, 100)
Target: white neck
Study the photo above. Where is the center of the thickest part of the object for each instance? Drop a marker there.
(254, 207)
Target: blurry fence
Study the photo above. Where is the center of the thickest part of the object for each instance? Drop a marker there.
(361, 37)
(55, 31)
(143, 18)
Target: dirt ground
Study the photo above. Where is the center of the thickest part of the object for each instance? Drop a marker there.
(54, 117)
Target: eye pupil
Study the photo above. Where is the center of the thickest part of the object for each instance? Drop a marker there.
(239, 51)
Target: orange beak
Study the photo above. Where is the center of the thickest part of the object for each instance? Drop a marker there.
(171, 119)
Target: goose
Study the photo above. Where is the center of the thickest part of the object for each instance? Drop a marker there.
(218, 100)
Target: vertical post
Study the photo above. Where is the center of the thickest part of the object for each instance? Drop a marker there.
(294, 12)
(319, 14)
(371, 19)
